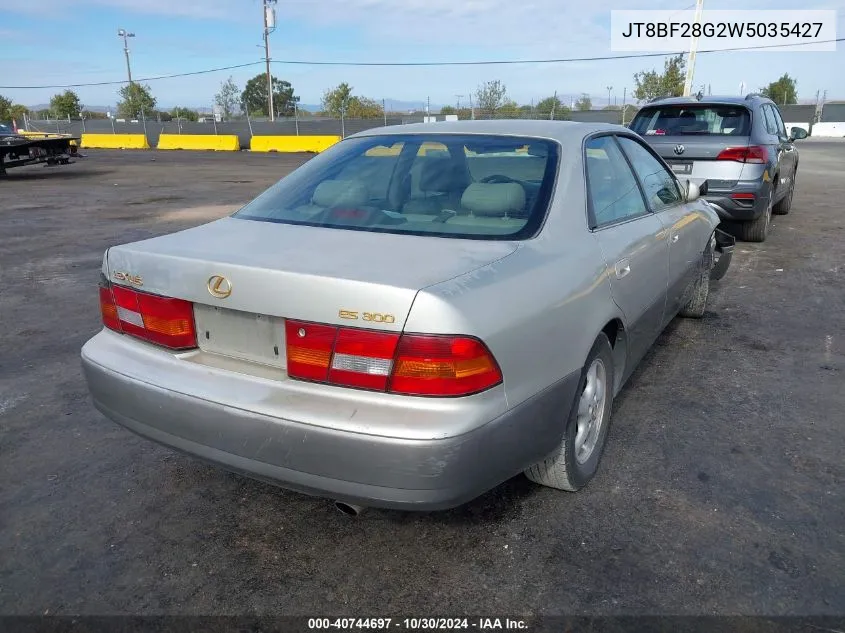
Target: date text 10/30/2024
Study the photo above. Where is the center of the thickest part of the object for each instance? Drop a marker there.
(417, 624)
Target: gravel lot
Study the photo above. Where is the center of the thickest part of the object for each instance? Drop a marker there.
(721, 491)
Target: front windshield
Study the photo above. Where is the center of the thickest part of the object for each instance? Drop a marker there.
(444, 185)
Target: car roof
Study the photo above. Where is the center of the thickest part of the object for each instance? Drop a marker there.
(561, 131)
(709, 100)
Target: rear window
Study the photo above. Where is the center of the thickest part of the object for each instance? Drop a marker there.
(720, 120)
(462, 186)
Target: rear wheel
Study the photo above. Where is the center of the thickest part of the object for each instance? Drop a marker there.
(757, 230)
(576, 460)
(783, 207)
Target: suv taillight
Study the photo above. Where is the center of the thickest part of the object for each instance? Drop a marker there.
(410, 364)
(751, 154)
(160, 320)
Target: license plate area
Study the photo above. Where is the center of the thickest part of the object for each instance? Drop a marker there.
(683, 168)
(244, 335)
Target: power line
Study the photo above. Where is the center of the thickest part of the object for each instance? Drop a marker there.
(501, 62)
(123, 81)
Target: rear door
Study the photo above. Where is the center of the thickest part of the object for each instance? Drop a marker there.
(690, 137)
(786, 152)
(633, 242)
(685, 226)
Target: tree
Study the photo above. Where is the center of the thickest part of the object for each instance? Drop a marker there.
(448, 110)
(509, 109)
(584, 103)
(552, 107)
(136, 100)
(65, 104)
(88, 114)
(363, 108)
(228, 98)
(783, 91)
(5, 106)
(17, 112)
(490, 96)
(184, 114)
(336, 100)
(653, 85)
(254, 96)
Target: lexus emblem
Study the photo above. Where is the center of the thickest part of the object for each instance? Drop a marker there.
(679, 149)
(219, 286)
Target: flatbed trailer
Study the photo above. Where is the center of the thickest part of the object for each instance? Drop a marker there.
(17, 150)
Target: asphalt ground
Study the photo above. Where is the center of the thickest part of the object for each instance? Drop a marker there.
(721, 490)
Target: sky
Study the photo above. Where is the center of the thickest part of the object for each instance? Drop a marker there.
(46, 42)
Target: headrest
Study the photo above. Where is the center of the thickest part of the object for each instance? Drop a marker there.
(336, 193)
(495, 199)
(441, 175)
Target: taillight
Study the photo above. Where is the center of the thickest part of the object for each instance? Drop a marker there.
(443, 366)
(108, 309)
(751, 154)
(411, 364)
(161, 320)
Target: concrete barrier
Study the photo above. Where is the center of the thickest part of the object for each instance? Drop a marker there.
(114, 141)
(829, 128)
(314, 144)
(220, 143)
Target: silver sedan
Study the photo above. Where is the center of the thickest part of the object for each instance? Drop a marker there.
(413, 316)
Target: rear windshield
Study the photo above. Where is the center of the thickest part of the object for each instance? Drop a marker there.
(721, 120)
(463, 186)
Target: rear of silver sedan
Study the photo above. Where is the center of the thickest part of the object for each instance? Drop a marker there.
(273, 343)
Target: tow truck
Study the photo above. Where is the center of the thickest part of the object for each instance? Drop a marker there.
(28, 148)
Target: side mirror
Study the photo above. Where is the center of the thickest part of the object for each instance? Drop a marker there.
(693, 192)
(797, 133)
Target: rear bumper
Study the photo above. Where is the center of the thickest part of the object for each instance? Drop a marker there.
(734, 210)
(374, 470)
(724, 253)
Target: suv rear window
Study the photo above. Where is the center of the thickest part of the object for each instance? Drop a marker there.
(681, 120)
(444, 185)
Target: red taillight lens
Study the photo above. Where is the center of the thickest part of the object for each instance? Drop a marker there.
(742, 196)
(443, 366)
(309, 349)
(410, 364)
(752, 154)
(161, 320)
(108, 309)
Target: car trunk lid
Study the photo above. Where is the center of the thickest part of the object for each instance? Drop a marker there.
(275, 271)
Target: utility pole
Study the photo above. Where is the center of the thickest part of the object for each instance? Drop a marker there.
(624, 98)
(126, 35)
(699, 7)
(269, 27)
(609, 88)
(554, 103)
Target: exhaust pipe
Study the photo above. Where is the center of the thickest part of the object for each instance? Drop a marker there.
(349, 509)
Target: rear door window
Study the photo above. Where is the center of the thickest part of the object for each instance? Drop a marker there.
(768, 115)
(659, 185)
(683, 120)
(614, 193)
(781, 128)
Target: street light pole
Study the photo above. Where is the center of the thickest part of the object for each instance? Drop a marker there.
(609, 89)
(125, 35)
(269, 27)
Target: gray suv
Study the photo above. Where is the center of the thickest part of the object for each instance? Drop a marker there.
(736, 149)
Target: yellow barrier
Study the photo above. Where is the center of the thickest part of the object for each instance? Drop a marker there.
(292, 143)
(221, 143)
(114, 141)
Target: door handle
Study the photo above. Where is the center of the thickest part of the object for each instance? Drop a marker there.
(623, 268)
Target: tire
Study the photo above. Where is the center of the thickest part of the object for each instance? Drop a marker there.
(756, 230)
(699, 289)
(783, 207)
(575, 461)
